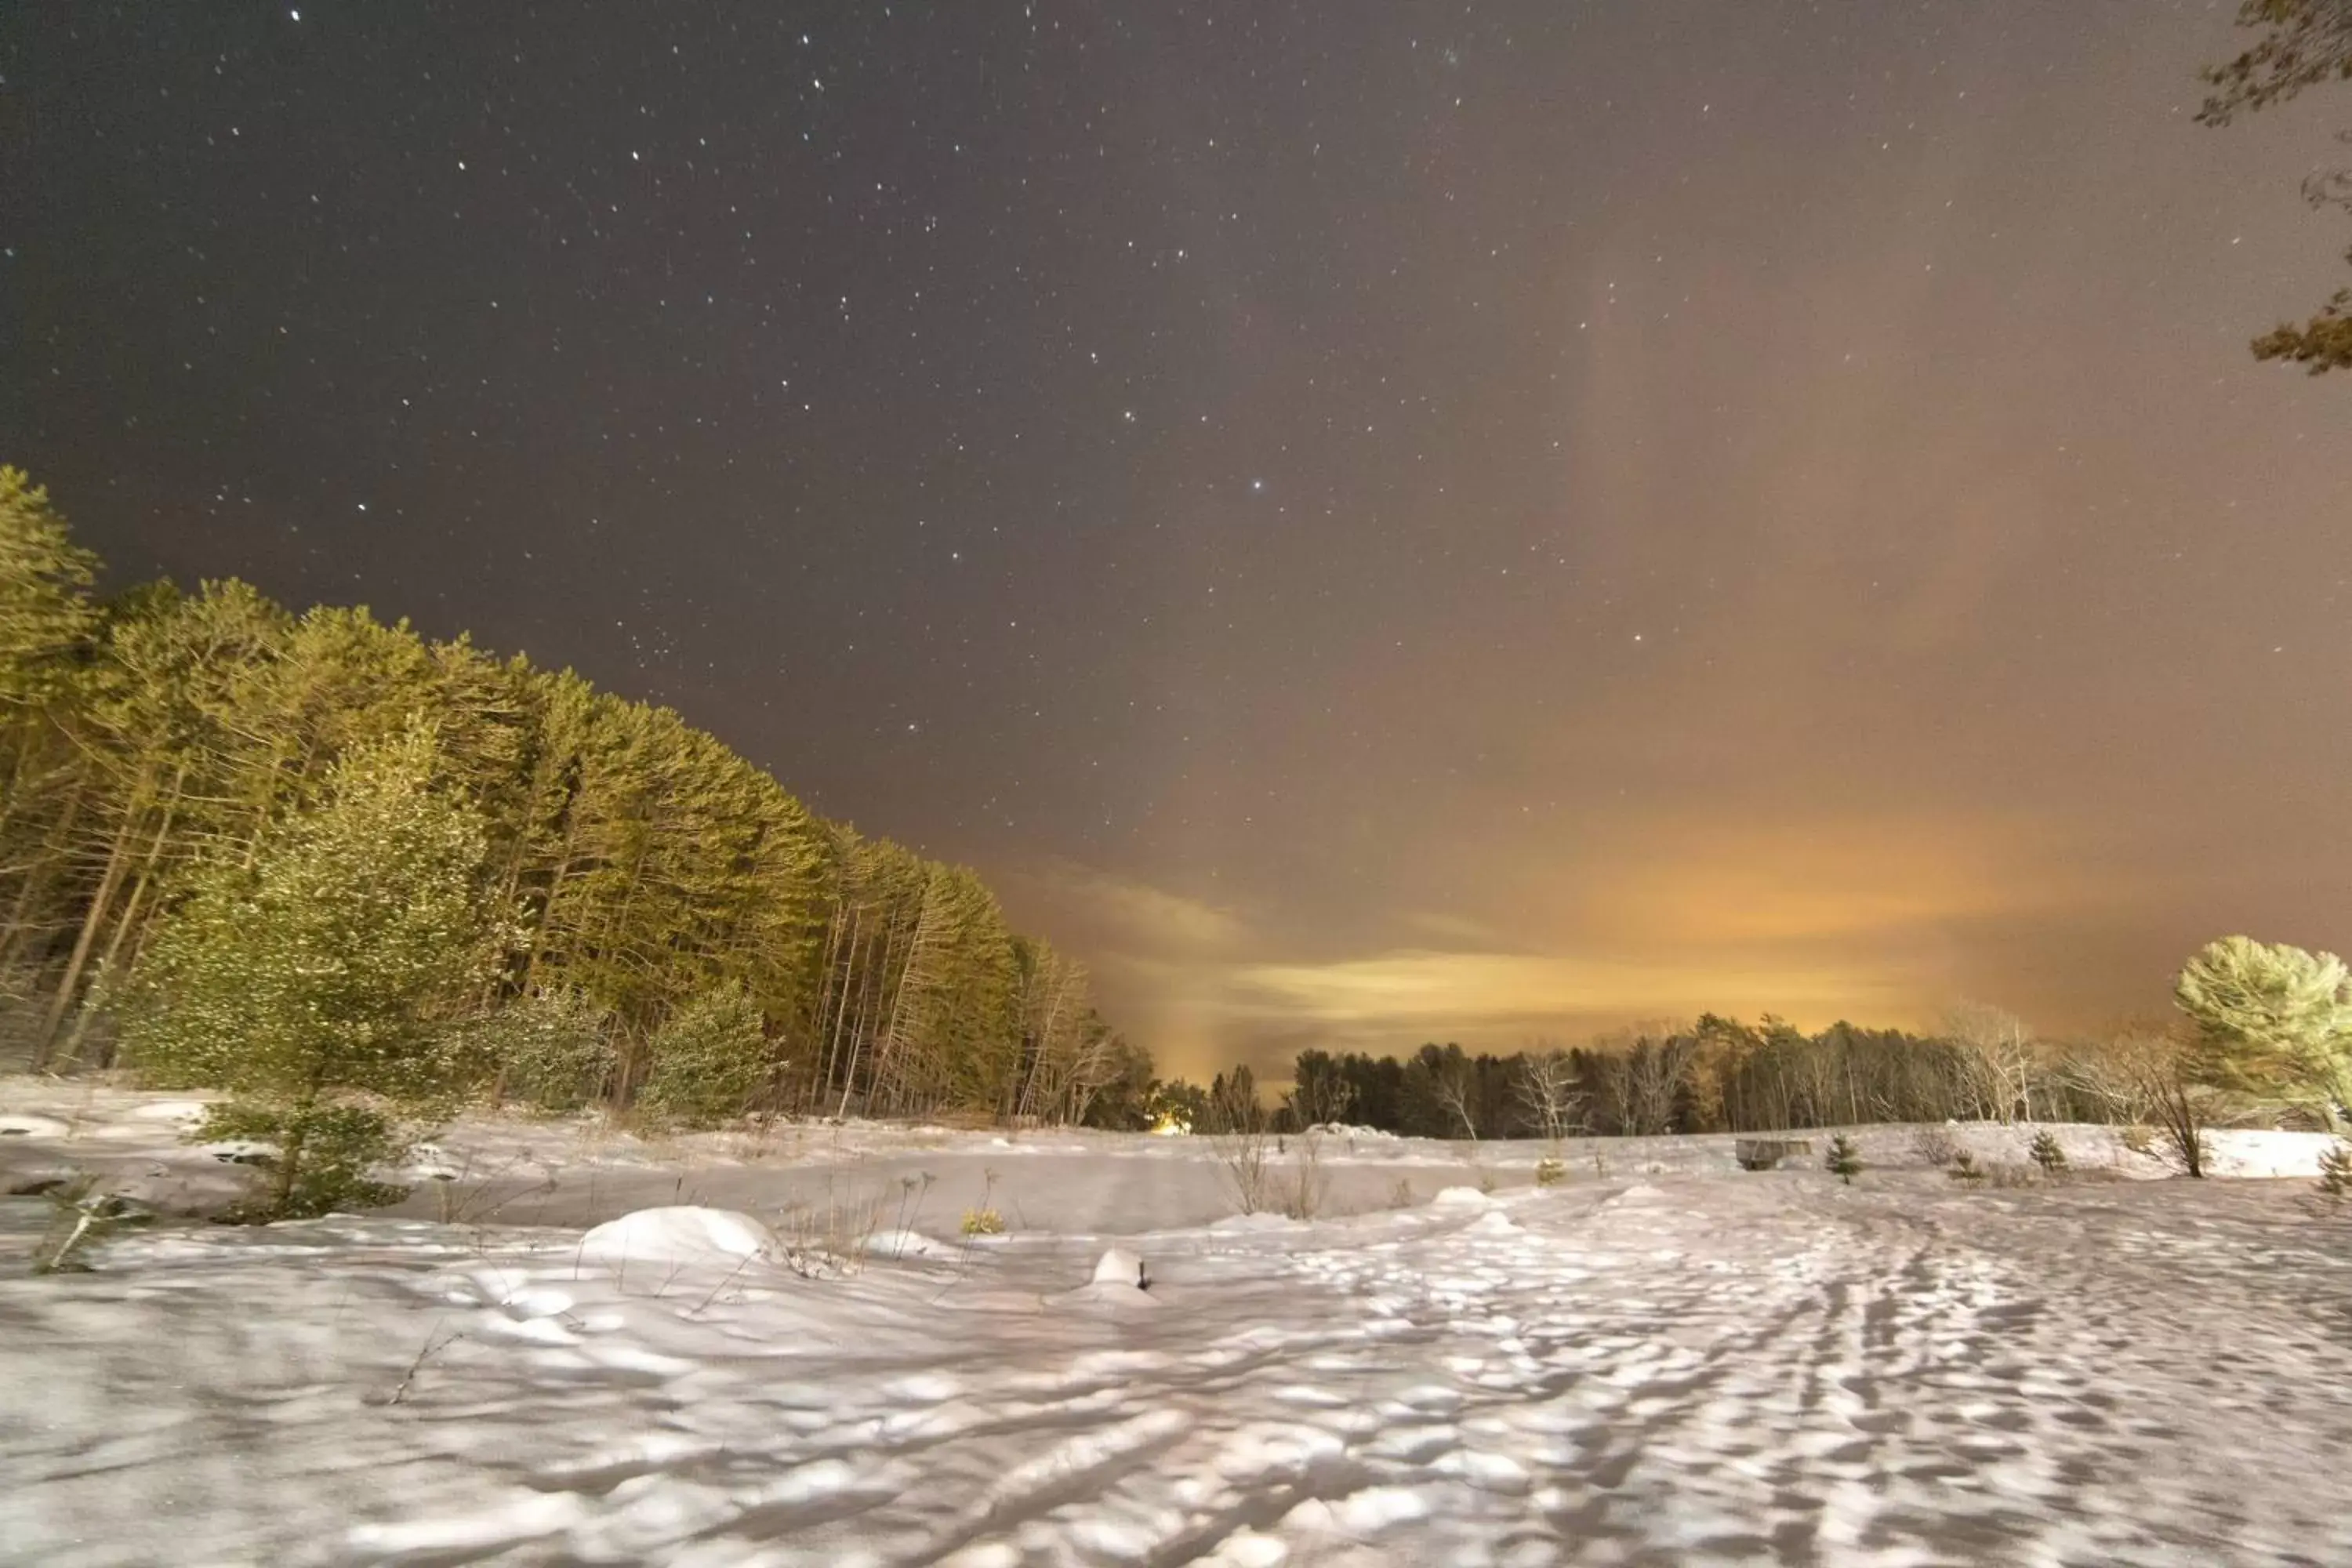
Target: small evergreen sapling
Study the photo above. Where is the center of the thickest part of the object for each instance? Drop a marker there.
(315, 984)
(2048, 1154)
(1844, 1161)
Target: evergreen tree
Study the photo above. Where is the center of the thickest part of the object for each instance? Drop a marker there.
(317, 984)
(550, 1049)
(707, 1059)
(2047, 1153)
(2271, 1019)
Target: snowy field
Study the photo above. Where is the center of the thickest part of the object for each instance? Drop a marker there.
(1664, 1360)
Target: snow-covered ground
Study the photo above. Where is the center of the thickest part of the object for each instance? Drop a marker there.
(1673, 1365)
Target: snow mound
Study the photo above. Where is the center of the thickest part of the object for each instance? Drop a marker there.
(32, 1126)
(1120, 1266)
(1460, 1199)
(1119, 1282)
(686, 1234)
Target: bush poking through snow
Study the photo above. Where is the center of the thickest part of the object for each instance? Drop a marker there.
(2336, 1175)
(982, 1218)
(2138, 1140)
(1843, 1161)
(1551, 1171)
(1965, 1169)
(1305, 1182)
(1936, 1147)
(2047, 1154)
(828, 1239)
(1246, 1159)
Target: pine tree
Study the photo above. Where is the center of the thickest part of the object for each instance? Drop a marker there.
(2047, 1153)
(317, 984)
(1844, 1161)
(2271, 1019)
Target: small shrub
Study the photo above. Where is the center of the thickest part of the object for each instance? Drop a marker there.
(981, 1219)
(1844, 1160)
(2048, 1154)
(1307, 1184)
(1486, 1182)
(2335, 1174)
(1551, 1172)
(1400, 1196)
(1935, 1147)
(1963, 1168)
(2138, 1140)
(1246, 1157)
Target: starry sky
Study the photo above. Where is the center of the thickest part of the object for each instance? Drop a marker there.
(1368, 522)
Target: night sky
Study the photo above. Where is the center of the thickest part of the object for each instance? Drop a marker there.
(1368, 522)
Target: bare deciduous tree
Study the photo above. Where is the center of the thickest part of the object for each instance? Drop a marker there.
(1546, 1088)
(1999, 1050)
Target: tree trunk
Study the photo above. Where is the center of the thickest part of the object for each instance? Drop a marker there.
(107, 971)
(100, 904)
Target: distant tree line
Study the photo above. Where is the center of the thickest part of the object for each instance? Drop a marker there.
(2264, 1036)
(325, 856)
(1716, 1075)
